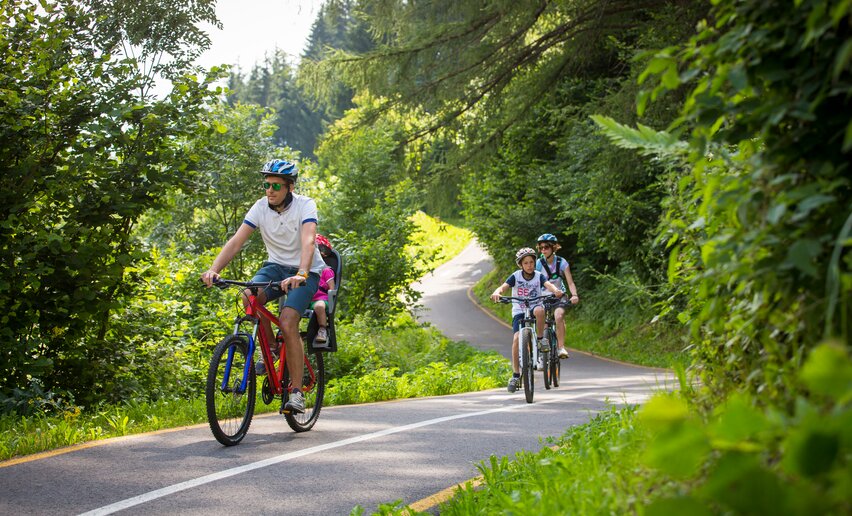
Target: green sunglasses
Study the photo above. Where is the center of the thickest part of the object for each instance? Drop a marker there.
(275, 186)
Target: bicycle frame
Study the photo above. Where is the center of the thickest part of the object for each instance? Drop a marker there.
(254, 313)
(528, 322)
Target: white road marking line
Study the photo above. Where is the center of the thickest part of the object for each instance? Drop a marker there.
(213, 477)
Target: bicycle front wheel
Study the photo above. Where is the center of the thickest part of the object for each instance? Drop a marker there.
(313, 387)
(526, 343)
(230, 406)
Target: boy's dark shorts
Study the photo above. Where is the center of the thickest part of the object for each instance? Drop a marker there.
(517, 322)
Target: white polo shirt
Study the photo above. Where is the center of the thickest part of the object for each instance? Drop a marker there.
(281, 231)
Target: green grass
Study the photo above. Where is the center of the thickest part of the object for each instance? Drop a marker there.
(437, 238)
(654, 345)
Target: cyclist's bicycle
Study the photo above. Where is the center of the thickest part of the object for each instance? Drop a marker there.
(527, 344)
(549, 345)
(231, 380)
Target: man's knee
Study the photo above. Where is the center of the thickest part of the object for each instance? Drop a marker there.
(289, 316)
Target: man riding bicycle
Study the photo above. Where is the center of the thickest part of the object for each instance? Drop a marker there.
(288, 226)
(555, 270)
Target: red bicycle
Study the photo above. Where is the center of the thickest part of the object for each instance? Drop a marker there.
(231, 379)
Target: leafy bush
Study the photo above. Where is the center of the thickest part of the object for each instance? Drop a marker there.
(759, 223)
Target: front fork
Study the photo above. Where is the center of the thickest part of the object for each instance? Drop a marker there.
(534, 355)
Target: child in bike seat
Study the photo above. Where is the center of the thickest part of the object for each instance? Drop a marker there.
(525, 282)
(558, 272)
(320, 299)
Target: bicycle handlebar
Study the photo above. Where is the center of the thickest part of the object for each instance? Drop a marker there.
(225, 283)
(549, 299)
(509, 299)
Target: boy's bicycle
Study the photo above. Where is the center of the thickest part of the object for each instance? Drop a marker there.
(231, 381)
(549, 345)
(527, 343)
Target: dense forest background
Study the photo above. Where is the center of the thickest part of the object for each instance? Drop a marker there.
(692, 157)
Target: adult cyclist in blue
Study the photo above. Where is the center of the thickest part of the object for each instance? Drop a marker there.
(557, 271)
(288, 225)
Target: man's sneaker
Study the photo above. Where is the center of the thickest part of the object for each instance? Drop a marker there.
(296, 402)
(514, 382)
(563, 353)
(322, 335)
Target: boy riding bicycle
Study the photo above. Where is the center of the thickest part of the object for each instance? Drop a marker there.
(288, 226)
(555, 269)
(525, 282)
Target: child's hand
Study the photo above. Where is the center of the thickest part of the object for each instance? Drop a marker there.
(495, 296)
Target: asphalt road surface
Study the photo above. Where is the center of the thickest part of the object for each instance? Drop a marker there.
(356, 455)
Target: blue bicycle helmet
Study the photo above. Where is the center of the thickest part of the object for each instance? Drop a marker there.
(280, 168)
(547, 237)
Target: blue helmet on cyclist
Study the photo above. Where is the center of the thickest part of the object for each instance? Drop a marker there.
(549, 238)
(522, 252)
(280, 168)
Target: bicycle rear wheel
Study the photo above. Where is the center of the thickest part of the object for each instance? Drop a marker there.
(545, 357)
(527, 373)
(312, 388)
(230, 408)
(555, 364)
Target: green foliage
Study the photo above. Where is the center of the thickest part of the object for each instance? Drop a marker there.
(84, 151)
(271, 84)
(759, 227)
(231, 154)
(435, 241)
(405, 360)
(745, 460)
(370, 227)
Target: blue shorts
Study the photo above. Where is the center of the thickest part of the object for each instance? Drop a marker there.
(517, 322)
(299, 298)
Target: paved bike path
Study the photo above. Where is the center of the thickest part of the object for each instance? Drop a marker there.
(446, 304)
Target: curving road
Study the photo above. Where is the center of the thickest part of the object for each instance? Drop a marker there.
(356, 455)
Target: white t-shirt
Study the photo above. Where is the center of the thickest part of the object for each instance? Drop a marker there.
(522, 287)
(555, 275)
(281, 231)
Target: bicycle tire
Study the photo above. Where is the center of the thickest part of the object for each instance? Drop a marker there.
(555, 365)
(229, 412)
(526, 343)
(313, 397)
(546, 352)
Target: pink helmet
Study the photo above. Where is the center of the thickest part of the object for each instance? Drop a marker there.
(321, 240)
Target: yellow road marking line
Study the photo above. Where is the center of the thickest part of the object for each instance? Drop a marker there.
(443, 495)
(87, 444)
